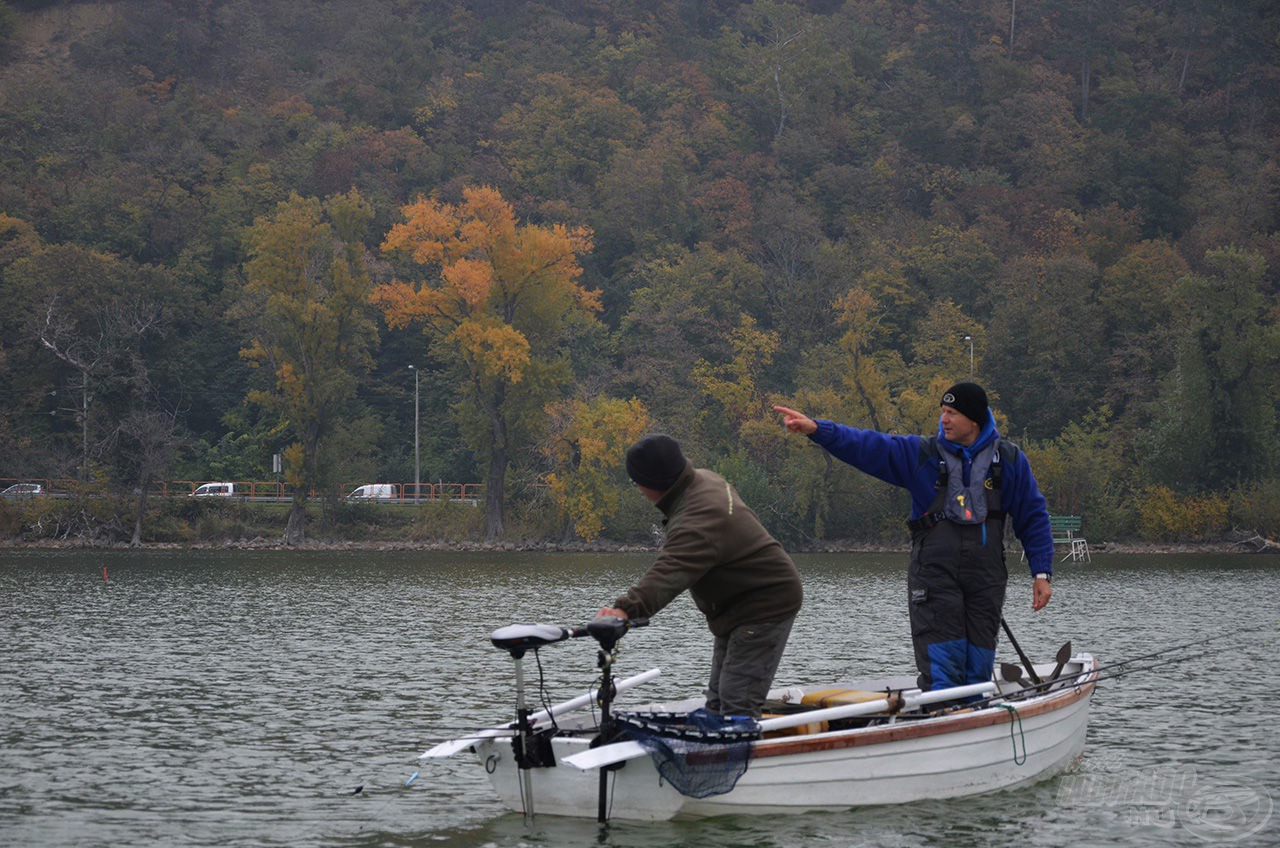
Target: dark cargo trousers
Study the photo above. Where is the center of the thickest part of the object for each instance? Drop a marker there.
(743, 665)
(955, 590)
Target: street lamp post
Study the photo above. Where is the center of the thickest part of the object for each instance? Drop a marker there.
(417, 456)
(969, 339)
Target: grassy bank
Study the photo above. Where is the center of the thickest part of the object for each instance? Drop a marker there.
(111, 521)
(84, 521)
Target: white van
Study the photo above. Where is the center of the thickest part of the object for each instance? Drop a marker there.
(218, 490)
(373, 491)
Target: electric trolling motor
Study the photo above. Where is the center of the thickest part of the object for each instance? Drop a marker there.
(517, 640)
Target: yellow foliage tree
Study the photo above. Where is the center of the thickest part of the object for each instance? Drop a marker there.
(588, 441)
(734, 386)
(497, 300)
(1165, 516)
(940, 358)
(851, 382)
(306, 307)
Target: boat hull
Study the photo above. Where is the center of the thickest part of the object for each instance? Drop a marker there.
(964, 753)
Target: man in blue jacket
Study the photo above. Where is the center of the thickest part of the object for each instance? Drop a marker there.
(964, 482)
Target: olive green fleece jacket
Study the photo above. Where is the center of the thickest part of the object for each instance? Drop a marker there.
(716, 548)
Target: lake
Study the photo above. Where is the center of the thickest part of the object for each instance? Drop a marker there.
(281, 698)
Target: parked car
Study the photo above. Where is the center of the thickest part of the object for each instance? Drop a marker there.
(219, 490)
(374, 491)
(22, 490)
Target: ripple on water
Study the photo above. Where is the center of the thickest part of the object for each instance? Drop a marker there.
(222, 699)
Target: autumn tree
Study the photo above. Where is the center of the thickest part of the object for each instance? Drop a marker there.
(1082, 472)
(497, 300)
(683, 308)
(852, 381)
(148, 440)
(306, 308)
(1220, 413)
(939, 358)
(1044, 338)
(87, 327)
(864, 371)
(587, 442)
(733, 387)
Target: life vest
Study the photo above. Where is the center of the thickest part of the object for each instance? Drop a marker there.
(976, 503)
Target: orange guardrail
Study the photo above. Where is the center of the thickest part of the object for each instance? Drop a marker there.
(248, 489)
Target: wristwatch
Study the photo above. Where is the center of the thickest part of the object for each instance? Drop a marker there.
(1042, 576)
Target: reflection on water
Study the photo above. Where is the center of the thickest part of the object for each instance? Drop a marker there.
(243, 698)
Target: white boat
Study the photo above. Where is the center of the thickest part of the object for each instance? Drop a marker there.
(882, 742)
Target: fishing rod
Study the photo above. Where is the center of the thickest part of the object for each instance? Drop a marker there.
(1012, 673)
(1097, 675)
(1211, 638)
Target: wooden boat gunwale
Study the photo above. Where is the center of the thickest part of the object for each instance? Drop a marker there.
(998, 713)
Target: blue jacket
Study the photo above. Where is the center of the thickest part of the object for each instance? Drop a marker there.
(896, 460)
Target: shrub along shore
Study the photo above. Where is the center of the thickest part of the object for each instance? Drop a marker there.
(216, 524)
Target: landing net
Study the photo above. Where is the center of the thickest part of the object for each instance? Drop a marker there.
(699, 753)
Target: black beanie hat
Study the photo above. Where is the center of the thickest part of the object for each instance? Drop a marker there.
(969, 400)
(655, 462)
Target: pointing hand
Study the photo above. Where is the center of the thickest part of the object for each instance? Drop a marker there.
(796, 422)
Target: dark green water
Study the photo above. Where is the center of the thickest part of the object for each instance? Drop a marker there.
(240, 699)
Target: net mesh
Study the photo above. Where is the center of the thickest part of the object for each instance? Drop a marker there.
(699, 753)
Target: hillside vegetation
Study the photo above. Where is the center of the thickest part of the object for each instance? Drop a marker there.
(228, 229)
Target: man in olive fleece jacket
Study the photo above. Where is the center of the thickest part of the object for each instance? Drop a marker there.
(738, 575)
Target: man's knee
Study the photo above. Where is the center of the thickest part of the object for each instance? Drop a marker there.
(750, 663)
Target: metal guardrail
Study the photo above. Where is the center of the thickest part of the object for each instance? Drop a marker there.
(471, 493)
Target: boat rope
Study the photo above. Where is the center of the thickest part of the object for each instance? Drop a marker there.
(1016, 719)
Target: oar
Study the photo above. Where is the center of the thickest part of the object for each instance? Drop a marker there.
(1026, 663)
(618, 752)
(1096, 674)
(1063, 657)
(1010, 673)
(453, 746)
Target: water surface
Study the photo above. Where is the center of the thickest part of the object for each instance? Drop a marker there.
(281, 698)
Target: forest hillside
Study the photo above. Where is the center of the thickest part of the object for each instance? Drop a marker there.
(234, 230)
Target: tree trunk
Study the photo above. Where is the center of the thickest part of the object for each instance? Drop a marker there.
(136, 541)
(1254, 539)
(295, 532)
(495, 512)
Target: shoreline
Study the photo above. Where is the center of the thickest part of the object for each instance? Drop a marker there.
(525, 546)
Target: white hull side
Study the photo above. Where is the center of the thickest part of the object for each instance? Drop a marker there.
(964, 754)
(965, 762)
(635, 791)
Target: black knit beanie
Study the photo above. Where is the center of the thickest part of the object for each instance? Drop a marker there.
(655, 462)
(969, 400)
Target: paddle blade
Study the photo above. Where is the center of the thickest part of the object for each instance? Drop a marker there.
(1063, 657)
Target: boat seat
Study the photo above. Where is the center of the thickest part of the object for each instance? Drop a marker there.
(821, 699)
(839, 697)
(796, 730)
